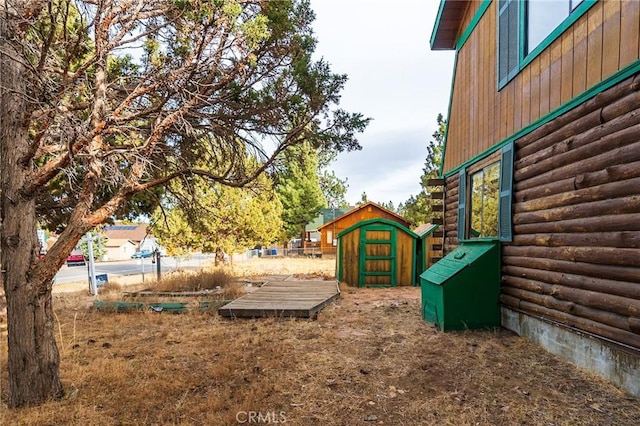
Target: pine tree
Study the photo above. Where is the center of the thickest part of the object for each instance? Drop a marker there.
(417, 210)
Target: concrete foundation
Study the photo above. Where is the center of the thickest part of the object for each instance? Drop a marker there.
(617, 364)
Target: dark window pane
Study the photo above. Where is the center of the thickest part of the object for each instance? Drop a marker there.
(514, 25)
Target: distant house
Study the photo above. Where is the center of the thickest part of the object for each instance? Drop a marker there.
(311, 243)
(369, 210)
(119, 249)
(137, 234)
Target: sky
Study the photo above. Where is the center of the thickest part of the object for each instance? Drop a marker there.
(394, 78)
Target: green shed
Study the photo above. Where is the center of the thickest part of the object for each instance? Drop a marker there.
(462, 290)
(377, 253)
(428, 248)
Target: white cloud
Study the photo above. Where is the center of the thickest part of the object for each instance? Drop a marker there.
(394, 78)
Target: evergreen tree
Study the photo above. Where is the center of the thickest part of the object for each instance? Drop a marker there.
(104, 102)
(333, 188)
(389, 206)
(225, 220)
(417, 210)
(299, 190)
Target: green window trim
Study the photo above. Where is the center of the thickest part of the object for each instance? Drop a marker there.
(462, 204)
(575, 14)
(505, 224)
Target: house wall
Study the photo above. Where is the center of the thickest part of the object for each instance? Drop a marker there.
(570, 278)
(603, 41)
(123, 252)
(576, 221)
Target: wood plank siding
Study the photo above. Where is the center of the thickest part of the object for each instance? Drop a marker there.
(387, 251)
(601, 42)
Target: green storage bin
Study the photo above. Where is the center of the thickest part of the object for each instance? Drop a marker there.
(461, 291)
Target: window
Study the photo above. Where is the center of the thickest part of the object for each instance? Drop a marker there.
(525, 27)
(544, 16)
(484, 201)
(329, 237)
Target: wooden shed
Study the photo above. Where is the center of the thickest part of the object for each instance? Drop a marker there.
(428, 247)
(377, 253)
(369, 210)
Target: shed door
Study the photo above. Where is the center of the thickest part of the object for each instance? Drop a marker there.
(377, 256)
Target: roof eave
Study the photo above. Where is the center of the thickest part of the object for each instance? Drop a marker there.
(447, 25)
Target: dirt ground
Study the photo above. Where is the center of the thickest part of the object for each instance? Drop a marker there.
(368, 359)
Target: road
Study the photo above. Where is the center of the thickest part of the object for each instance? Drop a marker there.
(132, 267)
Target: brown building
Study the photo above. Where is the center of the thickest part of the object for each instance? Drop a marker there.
(542, 156)
(369, 210)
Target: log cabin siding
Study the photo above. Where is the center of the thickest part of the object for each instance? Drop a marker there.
(576, 248)
(603, 41)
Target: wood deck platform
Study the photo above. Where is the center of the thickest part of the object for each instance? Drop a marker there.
(295, 298)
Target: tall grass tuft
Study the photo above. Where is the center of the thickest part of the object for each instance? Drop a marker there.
(206, 280)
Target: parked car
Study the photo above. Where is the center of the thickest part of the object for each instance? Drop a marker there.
(142, 254)
(76, 260)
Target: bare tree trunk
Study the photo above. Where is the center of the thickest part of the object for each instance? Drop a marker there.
(33, 362)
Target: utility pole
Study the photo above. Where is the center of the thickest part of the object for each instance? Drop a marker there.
(156, 253)
(92, 267)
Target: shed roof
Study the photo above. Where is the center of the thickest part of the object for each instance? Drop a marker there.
(136, 232)
(447, 25)
(364, 206)
(427, 228)
(379, 220)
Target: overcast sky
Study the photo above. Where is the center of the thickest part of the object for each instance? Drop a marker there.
(394, 78)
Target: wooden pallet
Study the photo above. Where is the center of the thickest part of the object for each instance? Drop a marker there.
(292, 298)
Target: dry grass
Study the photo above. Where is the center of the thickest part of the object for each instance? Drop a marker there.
(208, 280)
(219, 279)
(367, 359)
(309, 267)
